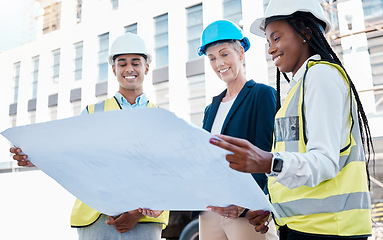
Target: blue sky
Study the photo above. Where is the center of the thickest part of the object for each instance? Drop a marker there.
(11, 23)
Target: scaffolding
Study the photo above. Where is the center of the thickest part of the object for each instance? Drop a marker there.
(50, 16)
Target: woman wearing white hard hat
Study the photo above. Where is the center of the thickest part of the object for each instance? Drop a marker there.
(245, 109)
(318, 178)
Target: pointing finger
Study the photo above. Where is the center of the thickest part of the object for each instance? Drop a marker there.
(234, 141)
(223, 144)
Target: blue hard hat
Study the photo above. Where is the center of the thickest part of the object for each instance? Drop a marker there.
(222, 30)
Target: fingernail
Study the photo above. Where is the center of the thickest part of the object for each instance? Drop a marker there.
(212, 140)
(267, 212)
(261, 212)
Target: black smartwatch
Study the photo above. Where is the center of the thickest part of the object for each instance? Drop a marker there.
(277, 164)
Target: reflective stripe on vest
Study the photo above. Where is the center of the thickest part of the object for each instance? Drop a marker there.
(338, 206)
(83, 215)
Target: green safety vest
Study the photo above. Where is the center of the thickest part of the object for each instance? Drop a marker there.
(338, 206)
(83, 215)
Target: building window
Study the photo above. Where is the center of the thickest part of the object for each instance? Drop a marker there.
(76, 107)
(132, 28)
(372, 8)
(53, 113)
(16, 81)
(232, 10)
(78, 60)
(12, 120)
(331, 12)
(194, 29)
(35, 75)
(101, 98)
(32, 117)
(162, 94)
(79, 10)
(56, 65)
(51, 16)
(114, 4)
(102, 57)
(197, 98)
(161, 40)
(376, 60)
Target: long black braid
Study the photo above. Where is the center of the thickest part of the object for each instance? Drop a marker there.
(302, 21)
(279, 88)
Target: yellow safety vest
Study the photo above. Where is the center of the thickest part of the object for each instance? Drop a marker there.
(338, 206)
(83, 215)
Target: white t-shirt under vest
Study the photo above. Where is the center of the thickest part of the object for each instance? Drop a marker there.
(223, 110)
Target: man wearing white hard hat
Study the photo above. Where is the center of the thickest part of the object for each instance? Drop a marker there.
(130, 63)
(318, 178)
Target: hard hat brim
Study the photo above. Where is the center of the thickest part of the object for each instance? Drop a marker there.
(148, 57)
(259, 25)
(245, 43)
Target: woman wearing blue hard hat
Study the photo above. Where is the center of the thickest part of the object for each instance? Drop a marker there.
(245, 109)
(318, 166)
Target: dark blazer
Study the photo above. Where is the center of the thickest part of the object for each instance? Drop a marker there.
(251, 117)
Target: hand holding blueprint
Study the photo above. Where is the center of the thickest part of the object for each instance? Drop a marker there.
(120, 160)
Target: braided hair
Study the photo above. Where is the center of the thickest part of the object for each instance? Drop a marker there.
(307, 23)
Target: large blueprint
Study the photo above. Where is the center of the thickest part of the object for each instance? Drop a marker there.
(121, 160)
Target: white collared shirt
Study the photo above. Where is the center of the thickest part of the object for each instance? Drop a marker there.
(327, 109)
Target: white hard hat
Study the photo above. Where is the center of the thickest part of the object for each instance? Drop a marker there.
(128, 43)
(282, 8)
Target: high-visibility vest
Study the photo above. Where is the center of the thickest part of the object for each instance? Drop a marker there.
(83, 215)
(338, 206)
